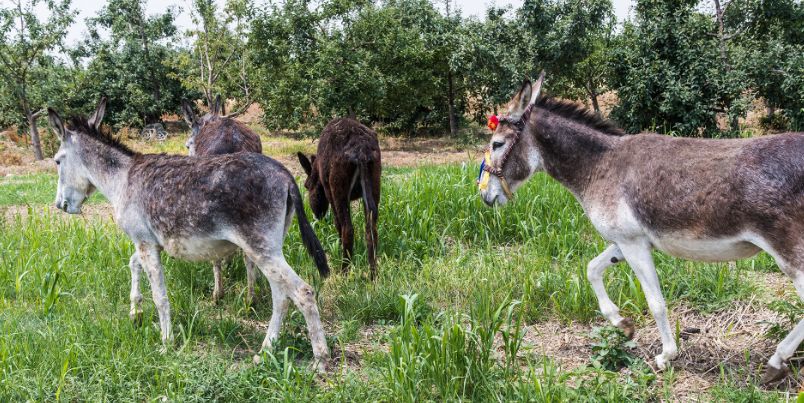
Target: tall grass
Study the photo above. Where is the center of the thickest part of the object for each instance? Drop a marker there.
(64, 286)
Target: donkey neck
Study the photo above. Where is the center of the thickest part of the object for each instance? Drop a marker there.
(570, 150)
(106, 166)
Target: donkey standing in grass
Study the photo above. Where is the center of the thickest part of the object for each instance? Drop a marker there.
(347, 167)
(213, 134)
(707, 200)
(193, 208)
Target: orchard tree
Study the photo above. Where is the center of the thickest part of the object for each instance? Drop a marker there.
(666, 69)
(131, 63)
(24, 43)
(220, 59)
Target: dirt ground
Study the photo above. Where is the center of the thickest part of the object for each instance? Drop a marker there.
(396, 152)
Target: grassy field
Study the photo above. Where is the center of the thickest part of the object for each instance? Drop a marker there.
(460, 291)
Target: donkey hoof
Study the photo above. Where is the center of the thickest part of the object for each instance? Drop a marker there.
(662, 363)
(320, 365)
(628, 327)
(136, 318)
(773, 374)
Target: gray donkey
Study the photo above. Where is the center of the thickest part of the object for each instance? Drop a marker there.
(193, 208)
(213, 134)
(707, 200)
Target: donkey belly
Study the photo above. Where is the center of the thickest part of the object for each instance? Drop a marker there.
(198, 249)
(707, 249)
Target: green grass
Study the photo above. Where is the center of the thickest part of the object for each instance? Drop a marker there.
(475, 271)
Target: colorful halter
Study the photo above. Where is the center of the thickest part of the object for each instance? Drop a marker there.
(486, 167)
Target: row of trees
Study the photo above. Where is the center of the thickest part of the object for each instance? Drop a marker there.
(409, 65)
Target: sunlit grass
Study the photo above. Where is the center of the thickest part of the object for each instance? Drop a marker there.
(64, 299)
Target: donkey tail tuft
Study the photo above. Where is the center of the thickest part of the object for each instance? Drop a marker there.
(309, 239)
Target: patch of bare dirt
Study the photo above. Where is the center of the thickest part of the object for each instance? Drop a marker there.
(16, 160)
(89, 212)
(733, 339)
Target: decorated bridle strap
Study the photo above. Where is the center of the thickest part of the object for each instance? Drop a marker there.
(520, 126)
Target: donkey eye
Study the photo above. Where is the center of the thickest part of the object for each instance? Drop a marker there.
(497, 144)
(58, 162)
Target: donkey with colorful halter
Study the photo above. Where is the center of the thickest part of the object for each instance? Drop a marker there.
(699, 199)
(193, 208)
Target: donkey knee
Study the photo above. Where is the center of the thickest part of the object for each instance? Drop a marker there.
(305, 297)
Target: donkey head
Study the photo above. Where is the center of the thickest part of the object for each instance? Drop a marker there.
(318, 198)
(512, 156)
(198, 123)
(74, 185)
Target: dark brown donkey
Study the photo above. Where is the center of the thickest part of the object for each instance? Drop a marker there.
(347, 167)
(213, 134)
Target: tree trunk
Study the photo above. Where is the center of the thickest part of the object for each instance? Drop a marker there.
(34, 132)
(453, 120)
(593, 97)
(724, 57)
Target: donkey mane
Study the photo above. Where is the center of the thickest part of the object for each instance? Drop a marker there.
(580, 114)
(81, 124)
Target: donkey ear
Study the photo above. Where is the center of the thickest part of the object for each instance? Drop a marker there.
(187, 113)
(55, 122)
(305, 163)
(520, 101)
(537, 88)
(527, 95)
(97, 117)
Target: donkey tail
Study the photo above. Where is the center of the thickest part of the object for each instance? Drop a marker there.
(309, 239)
(371, 215)
(368, 194)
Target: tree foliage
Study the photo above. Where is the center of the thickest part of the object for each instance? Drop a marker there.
(26, 69)
(690, 67)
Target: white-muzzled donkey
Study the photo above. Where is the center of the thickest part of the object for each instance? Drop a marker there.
(699, 199)
(193, 208)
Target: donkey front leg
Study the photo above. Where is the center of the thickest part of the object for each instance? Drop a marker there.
(639, 257)
(594, 271)
(149, 257)
(251, 277)
(217, 292)
(777, 369)
(135, 313)
(280, 309)
(282, 277)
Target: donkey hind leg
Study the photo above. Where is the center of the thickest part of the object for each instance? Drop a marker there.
(217, 292)
(639, 257)
(777, 369)
(251, 277)
(135, 313)
(282, 278)
(149, 257)
(340, 207)
(594, 271)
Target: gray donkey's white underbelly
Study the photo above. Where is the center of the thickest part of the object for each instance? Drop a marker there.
(620, 225)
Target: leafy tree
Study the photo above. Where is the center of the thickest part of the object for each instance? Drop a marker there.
(495, 56)
(666, 68)
(132, 67)
(219, 61)
(24, 43)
